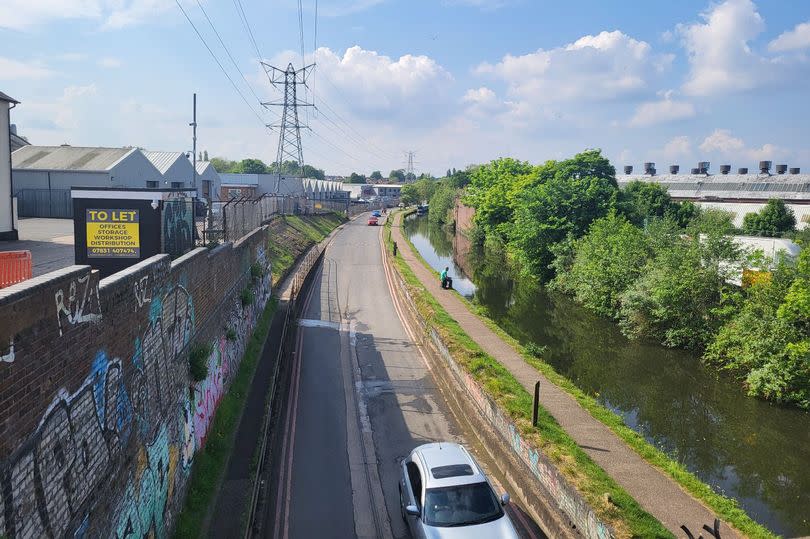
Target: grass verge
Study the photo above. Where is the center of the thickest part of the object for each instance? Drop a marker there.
(209, 463)
(727, 509)
(610, 502)
(315, 227)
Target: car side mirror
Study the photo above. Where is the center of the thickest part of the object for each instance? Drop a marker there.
(412, 510)
(504, 498)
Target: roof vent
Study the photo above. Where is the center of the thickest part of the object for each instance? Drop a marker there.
(795, 170)
(781, 169)
(742, 170)
(13, 129)
(765, 167)
(725, 169)
(695, 171)
(649, 168)
(673, 169)
(628, 169)
(704, 167)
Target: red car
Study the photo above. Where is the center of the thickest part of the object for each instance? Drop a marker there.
(372, 221)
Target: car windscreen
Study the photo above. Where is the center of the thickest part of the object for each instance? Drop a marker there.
(461, 505)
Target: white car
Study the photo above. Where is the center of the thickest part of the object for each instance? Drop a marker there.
(443, 493)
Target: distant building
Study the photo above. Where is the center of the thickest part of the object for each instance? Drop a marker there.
(8, 228)
(739, 193)
(175, 168)
(63, 167)
(17, 141)
(208, 181)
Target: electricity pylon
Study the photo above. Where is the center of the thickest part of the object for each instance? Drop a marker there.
(289, 135)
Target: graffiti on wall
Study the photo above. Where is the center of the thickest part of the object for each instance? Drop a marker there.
(568, 500)
(8, 356)
(144, 429)
(80, 304)
(178, 224)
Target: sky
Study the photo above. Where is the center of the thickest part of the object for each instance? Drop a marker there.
(458, 82)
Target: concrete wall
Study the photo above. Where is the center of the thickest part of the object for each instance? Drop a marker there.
(6, 221)
(99, 419)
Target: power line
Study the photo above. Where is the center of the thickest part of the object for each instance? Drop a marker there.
(228, 52)
(224, 72)
(241, 12)
(345, 133)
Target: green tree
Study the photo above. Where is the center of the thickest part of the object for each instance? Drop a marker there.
(308, 171)
(606, 262)
(640, 201)
(223, 165)
(774, 220)
(581, 190)
(376, 175)
(409, 194)
(442, 203)
(397, 175)
(357, 178)
(252, 166)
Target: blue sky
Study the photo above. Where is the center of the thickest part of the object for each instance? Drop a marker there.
(458, 81)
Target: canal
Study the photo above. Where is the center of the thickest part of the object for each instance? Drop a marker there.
(745, 448)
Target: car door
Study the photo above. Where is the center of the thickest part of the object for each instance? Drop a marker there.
(413, 496)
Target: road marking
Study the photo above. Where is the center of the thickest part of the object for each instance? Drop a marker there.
(312, 323)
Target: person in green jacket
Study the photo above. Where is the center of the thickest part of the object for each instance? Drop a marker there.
(447, 281)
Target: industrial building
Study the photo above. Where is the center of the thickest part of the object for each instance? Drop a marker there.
(8, 220)
(739, 193)
(208, 181)
(175, 168)
(235, 185)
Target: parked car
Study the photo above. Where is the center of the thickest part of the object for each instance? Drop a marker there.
(444, 493)
(372, 221)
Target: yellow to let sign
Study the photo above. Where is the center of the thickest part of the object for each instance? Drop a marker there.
(113, 233)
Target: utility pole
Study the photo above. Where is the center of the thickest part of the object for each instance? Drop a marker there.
(289, 136)
(194, 145)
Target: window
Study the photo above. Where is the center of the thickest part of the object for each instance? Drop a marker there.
(416, 482)
(234, 193)
(451, 470)
(177, 185)
(462, 505)
(152, 184)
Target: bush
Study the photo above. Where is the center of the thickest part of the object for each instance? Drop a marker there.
(230, 334)
(537, 350)
(256, 271)
(246, 297)
(198, 360)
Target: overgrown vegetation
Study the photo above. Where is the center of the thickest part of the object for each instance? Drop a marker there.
(664, 270)
(726, 508)
(608, 499)
(209, 462)
(246, 297)
(256, 271)
(198, 360)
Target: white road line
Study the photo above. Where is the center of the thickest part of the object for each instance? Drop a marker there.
(312, 323)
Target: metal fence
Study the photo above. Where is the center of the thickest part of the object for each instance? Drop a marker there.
(233, 219)
(54, 203)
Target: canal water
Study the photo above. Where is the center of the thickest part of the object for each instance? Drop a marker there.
(745, 448)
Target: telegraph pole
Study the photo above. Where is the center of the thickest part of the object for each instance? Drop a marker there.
(193, 124)
(289, 136)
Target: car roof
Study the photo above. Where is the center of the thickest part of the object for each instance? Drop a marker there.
(440, 454)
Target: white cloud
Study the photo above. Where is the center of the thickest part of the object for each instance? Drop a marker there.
(722, 59)
(598, 67)
(796, 39)
(722, 142)
(665, 110)
(113, 14)
(131, 12)
(14, 70)
(109, 62)
(479, 96)
(680, 146)
(60, 115)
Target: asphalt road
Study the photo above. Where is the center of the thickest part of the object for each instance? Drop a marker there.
(360, 398)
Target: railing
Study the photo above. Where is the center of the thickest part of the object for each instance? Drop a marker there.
(15, 267)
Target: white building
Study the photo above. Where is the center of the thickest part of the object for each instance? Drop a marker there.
(209, 184)
(8, 230)
(63, 167)
(176, 169)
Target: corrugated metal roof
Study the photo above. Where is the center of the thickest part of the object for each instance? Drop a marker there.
(202, 165)
(163, 161)
(229, 178)
(746, 186)
(68, 158)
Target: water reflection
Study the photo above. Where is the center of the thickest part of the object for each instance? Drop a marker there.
(746, 448)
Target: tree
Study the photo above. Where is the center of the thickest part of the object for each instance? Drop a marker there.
(448, 173)
(425, 188)
(205, 155)
(398, 175)
(308, 171)
(252, 166)
(376, 175)
(442, 203)
(640, 201)
(223, 165)
(774, 220)
(606, 262)
(581, 190)
(357, 178)
(409, 194)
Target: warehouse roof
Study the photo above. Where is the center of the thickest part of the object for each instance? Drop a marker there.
(4, 97)
(163, 161)
(68, 158)
(729, 186)
(202, 165)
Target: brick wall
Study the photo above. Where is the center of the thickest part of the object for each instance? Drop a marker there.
(99, 419)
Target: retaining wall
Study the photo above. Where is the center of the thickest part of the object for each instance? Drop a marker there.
(99, 418)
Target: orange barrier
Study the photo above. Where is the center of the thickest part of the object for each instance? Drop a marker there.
(15, 266)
